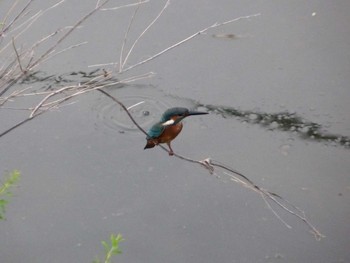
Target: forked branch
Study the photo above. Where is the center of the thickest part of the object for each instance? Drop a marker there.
(235, 176)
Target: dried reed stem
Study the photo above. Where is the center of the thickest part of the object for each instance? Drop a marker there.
(188, 39)
(122, 64)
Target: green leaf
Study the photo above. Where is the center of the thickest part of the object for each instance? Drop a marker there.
(111, 249)
(106, 246)
(10, 180)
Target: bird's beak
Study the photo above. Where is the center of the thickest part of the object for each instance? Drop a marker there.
(197, 113)
(177, 120)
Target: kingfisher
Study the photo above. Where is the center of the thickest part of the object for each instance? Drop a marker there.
(168, 127)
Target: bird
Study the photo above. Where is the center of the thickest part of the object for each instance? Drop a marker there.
(168, 127)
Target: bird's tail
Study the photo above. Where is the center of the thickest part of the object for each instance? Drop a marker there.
(150, 144)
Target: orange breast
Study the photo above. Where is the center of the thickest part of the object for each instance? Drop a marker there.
(169, 133)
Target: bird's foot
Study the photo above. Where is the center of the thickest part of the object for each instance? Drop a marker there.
(171, 153)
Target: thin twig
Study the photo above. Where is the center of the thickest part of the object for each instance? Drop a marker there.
(121, 62)
(187, 39)
(11, 69)
(123, 6)
(4, 29)
(135, 105)
(17, 55)
(103, 65)
(50, 56)
(96, 83)
(51, 35)
(125, 109)
(19, 124)
(273, 211)
(48, 51)
(16, 93)
(17, 16)
(27, 24)
(143, 32)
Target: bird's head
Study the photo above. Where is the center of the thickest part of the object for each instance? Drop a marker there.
(175, 115)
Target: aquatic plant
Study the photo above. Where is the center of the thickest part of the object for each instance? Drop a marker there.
(110, 249)
(6, 186)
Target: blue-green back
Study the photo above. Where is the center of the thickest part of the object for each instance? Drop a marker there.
(156, 130)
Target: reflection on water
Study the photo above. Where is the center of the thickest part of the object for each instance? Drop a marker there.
(283, 121)
(48, 82)
(229, 36)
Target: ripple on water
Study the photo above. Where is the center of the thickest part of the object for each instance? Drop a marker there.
(145, 110)
(146, 104)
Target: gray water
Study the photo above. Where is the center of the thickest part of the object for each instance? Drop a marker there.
(278, 97)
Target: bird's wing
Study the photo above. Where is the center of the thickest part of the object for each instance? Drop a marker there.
(156, 130)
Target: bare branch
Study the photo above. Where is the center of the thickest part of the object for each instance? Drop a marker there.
(187, 39)
(18, 59)
(45, 54)
(4, 29)
(28, 23)
(63, 50)
(16, 93)
(144, 31)
(238, 177)
(121, 62)
(135, 105)
(123, 6)
(103, 65)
